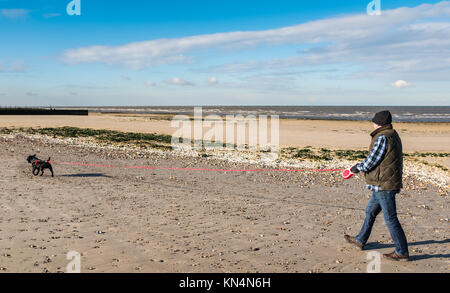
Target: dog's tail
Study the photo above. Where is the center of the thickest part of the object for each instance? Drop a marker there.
(48, 159)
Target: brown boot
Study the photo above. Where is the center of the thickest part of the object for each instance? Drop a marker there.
(352, 240)
(394, 256)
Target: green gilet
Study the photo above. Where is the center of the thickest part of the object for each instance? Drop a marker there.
(388, 174)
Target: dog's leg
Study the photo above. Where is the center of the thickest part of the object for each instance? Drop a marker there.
(42, 171)
(34, 171)
(51, 170)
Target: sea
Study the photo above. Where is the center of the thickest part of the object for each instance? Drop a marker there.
(360, 113)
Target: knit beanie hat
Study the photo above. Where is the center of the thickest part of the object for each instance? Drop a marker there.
(382, 118)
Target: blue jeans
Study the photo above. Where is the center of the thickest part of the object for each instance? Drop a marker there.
(384, 201)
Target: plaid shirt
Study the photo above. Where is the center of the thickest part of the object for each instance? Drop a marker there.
(375, 157)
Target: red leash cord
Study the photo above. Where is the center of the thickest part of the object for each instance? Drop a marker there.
(199, 169)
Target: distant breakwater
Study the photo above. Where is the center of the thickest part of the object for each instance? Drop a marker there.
(38, 111)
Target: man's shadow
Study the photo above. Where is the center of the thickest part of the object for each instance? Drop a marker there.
(376, 245)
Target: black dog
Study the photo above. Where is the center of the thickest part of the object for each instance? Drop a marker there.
(39, 165)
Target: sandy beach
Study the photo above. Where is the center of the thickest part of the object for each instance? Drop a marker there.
(430, 137)
(134, 220)
(224, 137)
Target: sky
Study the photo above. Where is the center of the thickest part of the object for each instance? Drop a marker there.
(198, 52)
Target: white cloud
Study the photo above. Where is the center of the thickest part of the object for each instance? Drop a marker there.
(179, 81)
(150, 84)
(14, 13)
(15, 67)
(212, 80)
(403, 41)
(411, 49)
(51, 15)
(401, 83)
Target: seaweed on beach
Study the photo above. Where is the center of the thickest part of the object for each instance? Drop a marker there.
(436, 165)
(143, 140)
(307, 153)
(5, 130)
(351, 154)
(439, 166)
(324, 154)
(427, 154)
(162, 141)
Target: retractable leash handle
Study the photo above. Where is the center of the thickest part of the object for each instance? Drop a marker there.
(347, 174)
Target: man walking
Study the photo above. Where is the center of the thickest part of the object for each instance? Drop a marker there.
(383, 170)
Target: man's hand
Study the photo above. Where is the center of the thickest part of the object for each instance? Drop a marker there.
(355, 169)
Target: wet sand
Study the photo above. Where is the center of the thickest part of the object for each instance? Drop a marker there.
(127, 220)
